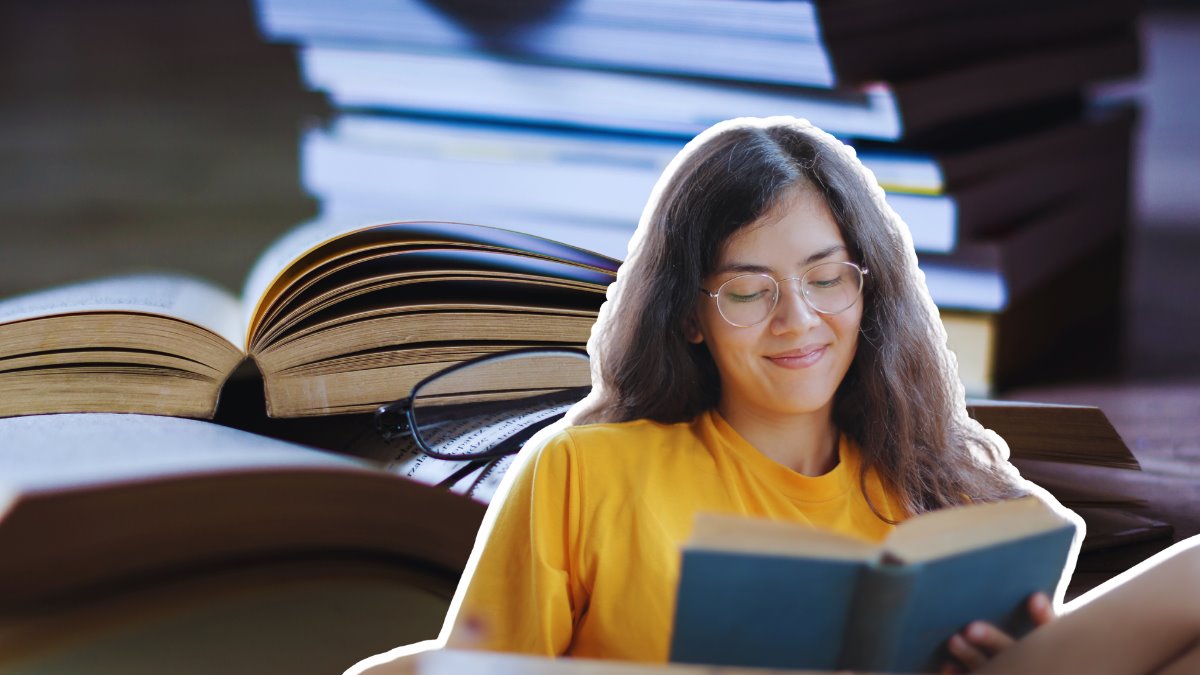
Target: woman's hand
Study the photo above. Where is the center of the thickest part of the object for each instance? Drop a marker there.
(980, 641)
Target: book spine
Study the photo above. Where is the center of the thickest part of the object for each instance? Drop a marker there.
(876, 619)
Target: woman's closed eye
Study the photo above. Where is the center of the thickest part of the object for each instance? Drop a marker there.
(747, 297)
(820, 284)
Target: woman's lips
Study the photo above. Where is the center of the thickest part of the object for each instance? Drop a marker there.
(798, 358)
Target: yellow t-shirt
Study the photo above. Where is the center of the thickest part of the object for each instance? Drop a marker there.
(583, 558)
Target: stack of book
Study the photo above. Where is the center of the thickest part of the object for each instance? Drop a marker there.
(560, 116)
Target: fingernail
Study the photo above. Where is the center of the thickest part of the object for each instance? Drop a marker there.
(977, 631)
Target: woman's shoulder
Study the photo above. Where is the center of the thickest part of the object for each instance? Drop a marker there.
(640, 433)
(627, 458)
(619, 447)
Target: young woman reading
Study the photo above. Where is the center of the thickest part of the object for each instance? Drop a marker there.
(768, 349)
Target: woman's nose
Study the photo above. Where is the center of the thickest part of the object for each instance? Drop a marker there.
(793, 312)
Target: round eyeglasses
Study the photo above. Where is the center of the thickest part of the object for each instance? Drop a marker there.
(488, 407)
(828, 288)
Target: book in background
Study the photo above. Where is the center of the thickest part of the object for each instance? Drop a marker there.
(337, 319)
(822, 44)
(1076, 455)
(979, 125)
(1041, 298)
(137, 543)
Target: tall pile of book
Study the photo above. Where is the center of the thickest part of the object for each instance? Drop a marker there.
(132, 541)
(556, 118)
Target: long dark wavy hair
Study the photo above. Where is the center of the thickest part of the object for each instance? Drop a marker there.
(901, 400)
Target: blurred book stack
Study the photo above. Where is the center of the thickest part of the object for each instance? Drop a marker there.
(136, 135)
(556, 118)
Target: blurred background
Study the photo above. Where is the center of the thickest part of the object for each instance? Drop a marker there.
(138, 134)
(187, 136)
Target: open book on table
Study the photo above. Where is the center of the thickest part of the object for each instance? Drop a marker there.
(338, 320)
(764, 593)
(147, 537)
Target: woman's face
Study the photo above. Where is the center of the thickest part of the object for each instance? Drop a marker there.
(792, 362)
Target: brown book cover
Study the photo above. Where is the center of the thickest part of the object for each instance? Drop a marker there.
(1069, 324)
(1037, 248)
(870, 40)
(945, 96)
(1054, 432)
(841, 17)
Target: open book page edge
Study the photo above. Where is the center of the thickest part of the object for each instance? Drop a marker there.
(177, 296)
(50, 452)
(953, 530)
(274, 261)
(272, 265)
(761, 536)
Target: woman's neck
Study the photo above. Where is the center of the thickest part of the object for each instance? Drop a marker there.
(805, 443)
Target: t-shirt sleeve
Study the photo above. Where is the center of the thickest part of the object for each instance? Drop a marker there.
(524, 594)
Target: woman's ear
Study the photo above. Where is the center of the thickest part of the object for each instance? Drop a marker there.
(691, 329)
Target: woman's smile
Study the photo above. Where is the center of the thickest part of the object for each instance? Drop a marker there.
(802, 357)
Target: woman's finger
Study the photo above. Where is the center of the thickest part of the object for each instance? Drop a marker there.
(965, 652)
(1041, 610)
(987, 638)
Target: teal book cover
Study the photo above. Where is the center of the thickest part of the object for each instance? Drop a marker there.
(783, 595)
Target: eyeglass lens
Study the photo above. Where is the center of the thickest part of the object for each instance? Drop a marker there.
(829, 288)
(493, 406)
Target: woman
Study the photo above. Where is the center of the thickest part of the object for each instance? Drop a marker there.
(768, 349)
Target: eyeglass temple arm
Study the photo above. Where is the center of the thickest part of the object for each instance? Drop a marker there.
(391, 420)
(514, 443)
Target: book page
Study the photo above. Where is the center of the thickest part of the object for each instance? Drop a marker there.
(762, 536)
(172, 295)
(310, 245)
(404, 458)
(287, 248)
(948, 531)
(44, 452)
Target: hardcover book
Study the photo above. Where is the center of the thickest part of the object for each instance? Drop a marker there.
(142, 543)
(783, 595)
(338, 320)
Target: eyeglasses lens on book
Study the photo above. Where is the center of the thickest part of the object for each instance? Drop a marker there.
(488, 407)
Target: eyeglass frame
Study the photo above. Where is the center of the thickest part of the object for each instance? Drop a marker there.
(862, 280)
(397, 419)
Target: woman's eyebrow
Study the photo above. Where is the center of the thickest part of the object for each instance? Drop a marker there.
(748, 268)
(824, 253)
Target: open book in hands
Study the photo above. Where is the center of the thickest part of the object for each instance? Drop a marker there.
(783, 595)
(338, 320)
